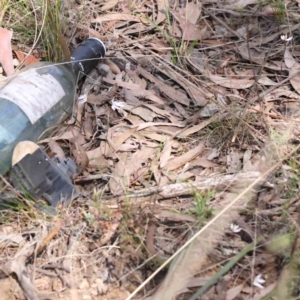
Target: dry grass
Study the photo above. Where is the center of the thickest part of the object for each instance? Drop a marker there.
(189, 97)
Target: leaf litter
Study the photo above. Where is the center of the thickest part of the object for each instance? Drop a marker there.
(189, 108)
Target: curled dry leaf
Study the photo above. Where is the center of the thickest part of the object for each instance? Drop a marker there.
(6, 58)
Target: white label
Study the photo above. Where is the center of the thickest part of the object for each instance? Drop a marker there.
(34, 93)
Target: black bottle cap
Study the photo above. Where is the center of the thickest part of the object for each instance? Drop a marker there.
(86, 56)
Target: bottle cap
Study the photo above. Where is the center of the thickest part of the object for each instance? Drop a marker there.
(86, 56)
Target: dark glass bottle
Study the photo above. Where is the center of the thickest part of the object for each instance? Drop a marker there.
(40, 97)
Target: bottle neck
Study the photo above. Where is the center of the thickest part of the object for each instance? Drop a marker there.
(86, 56)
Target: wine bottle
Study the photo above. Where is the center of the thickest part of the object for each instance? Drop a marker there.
(41, 96)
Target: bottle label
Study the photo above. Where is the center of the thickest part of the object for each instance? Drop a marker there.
(34, 93)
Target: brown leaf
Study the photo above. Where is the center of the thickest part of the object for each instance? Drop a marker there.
(120, 133)
(101, 98)
(109, 4)
(202, 125)
(162, 6)
(202, 162)
(108, 232)
(266, 81)
(231, 83)
(128, 166)
(197, 93)
(119, 17)
(193, 11)
(259, 57)
(25, 58)
(6, 58)
(232, 293)
(56, 149)
(179, 161)
(166, 153)
(164, 88)
(293, 67)
(113, 67)
(190, 32)
(240, 4)
(80, 155)
(87, 127)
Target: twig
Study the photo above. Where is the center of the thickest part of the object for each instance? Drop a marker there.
(184, 189)
(50, 236)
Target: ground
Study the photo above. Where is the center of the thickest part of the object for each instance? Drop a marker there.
(187, 147)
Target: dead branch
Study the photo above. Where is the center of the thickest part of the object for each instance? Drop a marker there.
(217, 183)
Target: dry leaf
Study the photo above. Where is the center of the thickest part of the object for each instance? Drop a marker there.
(197, 93)
(96, 158)
(293, 67)
(202, 125)
(166, 153)
(103, 97)
(113, 67)
(128, 166)
(162, 7)
(136, 90)
(240, 4)
(266, 81)
(25, 59)
(6, 58)
(54, 147)
(233, 162)
(109, 4)
(179, 161)
(231, 83)
(164, 88)
(119, 17)
(234, 292)
(190, 32)
(80, 155)
(87, 127)
(259, 57)
(120, 133)
(201, 162)
(193, 11)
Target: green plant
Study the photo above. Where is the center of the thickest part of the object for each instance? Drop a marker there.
(202, 210)
(52, 31)
(278, 7)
